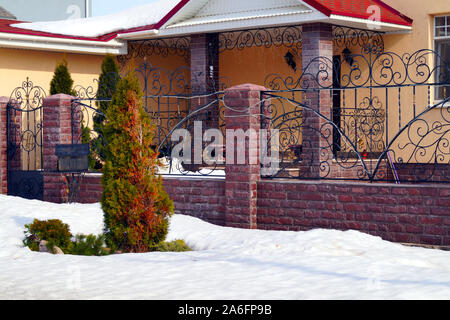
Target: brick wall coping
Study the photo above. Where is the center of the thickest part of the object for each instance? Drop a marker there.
(209, 178)
(93, 174)
(180, 177)
(357, 183)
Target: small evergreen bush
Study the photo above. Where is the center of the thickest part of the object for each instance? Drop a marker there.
(90, 245)
(54, 231)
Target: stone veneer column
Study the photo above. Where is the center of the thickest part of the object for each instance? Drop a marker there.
(243, 112)
(317, 44)
(205, 76)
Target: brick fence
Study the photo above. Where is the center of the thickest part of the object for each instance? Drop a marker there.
(396, 212)
(401, 213)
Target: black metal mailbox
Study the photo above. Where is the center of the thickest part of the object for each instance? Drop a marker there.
(73, 157)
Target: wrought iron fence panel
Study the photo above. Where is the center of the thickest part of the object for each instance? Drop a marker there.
(367, 143)
(24, 141)
(203, 112)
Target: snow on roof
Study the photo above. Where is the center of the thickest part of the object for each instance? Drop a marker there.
(145, 15)
(180, 13)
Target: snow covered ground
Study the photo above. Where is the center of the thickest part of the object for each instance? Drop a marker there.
(227, 263)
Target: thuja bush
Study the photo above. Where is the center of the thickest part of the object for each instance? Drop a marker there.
(62, 81)
(107, 85)
(136, 207)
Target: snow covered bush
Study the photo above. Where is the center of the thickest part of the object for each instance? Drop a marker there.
(136, 207)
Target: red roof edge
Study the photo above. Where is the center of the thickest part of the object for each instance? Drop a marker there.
(327, 11)
(172, 12)
(318, 6)
(388, 7)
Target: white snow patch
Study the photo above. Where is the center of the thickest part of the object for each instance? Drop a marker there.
(227, 263)
(176, 168)
(96, 26)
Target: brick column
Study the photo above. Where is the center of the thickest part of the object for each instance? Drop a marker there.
(3, 146)
(243, 112)
(317, 42)
(204, 80)
(205, 76)
(57, 129)
(205, 63)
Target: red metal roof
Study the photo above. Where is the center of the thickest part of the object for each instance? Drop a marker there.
(358, 9)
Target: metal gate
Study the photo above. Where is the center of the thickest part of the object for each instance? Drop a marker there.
(24, 134)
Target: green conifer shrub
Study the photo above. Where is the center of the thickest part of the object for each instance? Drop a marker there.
(62, 80)
(106, 87)
(136, 207)
(90, 245)
(172, 246)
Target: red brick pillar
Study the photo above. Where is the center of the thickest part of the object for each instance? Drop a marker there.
(57, 129)
(317, 57)
(243, 109)
(3, 146)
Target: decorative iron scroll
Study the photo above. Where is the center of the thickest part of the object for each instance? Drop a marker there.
(28, 97)
(24, 141)
(367, 41)
(382, 70)
(290, 37)
(209, 110)
(162, 47)
(418, 152)
(25, 123)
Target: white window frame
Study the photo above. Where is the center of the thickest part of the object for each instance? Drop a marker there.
(439, 39)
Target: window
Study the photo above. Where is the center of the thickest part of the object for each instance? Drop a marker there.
(442, 45)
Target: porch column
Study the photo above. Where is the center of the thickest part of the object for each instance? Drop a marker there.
(204, 81)
(204, 63)
(205, 75)
(317, 57)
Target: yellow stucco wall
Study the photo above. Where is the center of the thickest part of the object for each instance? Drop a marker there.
(422, 12)
(16, 65)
